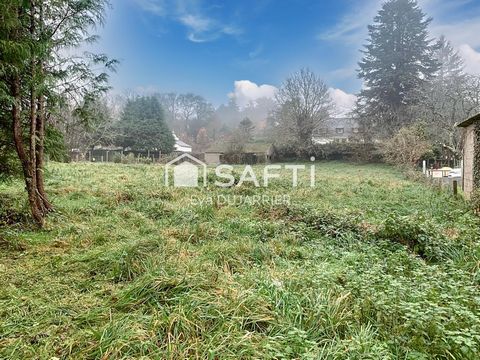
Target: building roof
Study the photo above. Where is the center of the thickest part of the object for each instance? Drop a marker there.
(340, 122)
(328, 129)
(470, 121)
(181, 143)
(109, 148)
(217, 148)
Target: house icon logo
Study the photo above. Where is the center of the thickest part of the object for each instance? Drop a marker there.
(187, 170)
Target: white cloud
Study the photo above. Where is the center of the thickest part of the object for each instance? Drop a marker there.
(255, 52)
(155, 7)
(462, 32)
(342, 101)
(352, 27)
(201, 27)
(347, 72)
(471, 57)
(196, 23)
(246, 91)
(213, 32)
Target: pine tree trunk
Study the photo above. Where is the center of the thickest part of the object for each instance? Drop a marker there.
(40, 156)
(40, 132)
(27, 165)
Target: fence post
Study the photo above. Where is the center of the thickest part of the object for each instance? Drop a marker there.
(424, 167)
(455, 188)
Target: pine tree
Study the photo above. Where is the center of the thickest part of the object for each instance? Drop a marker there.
(36, 72)
(451, 63)
(246, 128)
(397, 62)
(445, 97)
(143, 126)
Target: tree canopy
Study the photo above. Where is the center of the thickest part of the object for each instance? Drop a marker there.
(143, 126)
(397, 62)
(37, 74)
(303, 104)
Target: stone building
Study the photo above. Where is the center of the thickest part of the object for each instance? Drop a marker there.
(471, 155)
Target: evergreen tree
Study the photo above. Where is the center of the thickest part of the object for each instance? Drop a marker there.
(397, 62)
(246, 128)
(143, 126)
(37, 71)
(445, 100)
(451, 64)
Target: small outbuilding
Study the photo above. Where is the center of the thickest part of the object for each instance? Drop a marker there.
(212, 155)
(471, 155)
(251, 153)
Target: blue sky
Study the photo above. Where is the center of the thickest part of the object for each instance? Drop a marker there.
(204, 46)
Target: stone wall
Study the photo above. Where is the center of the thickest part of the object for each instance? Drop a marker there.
(469, 161)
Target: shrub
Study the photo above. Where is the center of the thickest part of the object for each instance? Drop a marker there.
(348, 151)
(125, 159)
(407, 147)
(420, 236)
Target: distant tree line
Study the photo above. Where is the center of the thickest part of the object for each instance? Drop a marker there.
(129, 120)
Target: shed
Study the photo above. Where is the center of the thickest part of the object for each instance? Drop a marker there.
(213, 157)
(251, 153)
(214, 152)
(260, 149)
(471, 155)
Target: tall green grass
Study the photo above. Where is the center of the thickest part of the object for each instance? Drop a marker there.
(368, 265)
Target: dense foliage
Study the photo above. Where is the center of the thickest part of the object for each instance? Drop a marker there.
(142, 126)
(347, 151)
(398, 61)
(38, 72)
(9, 164)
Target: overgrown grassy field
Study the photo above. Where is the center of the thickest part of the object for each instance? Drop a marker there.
(368, 265)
